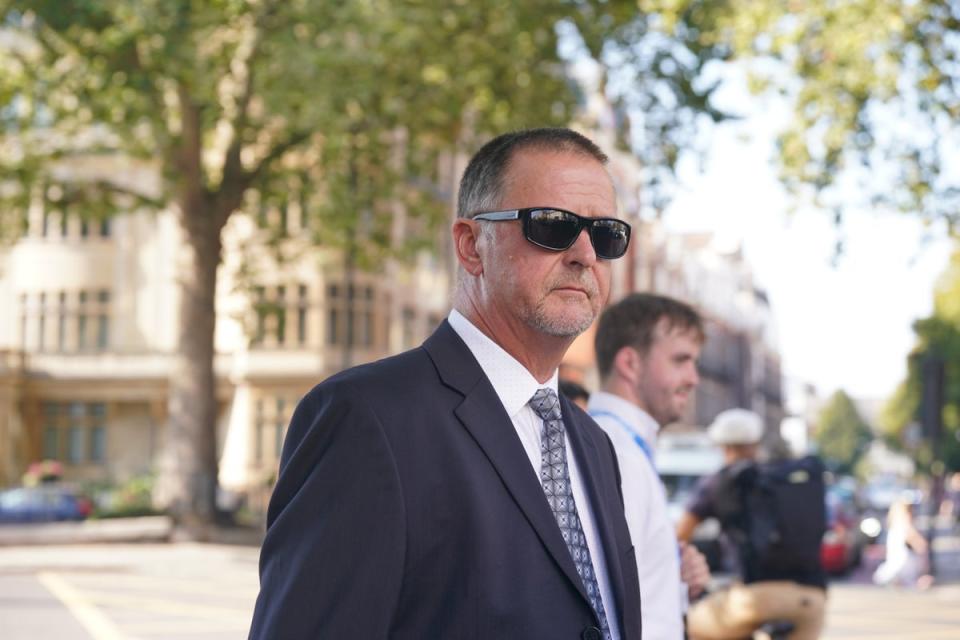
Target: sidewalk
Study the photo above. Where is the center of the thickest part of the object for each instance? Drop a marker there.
(145, 529)
(123, 530)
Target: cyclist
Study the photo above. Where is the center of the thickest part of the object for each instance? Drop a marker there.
(761, 593)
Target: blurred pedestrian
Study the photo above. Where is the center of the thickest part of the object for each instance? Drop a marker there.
(775, 517)
(905, 562)
(448, 492)
(647, 348)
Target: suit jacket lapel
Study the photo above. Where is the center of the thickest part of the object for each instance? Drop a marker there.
(482, 413)
(601, 500)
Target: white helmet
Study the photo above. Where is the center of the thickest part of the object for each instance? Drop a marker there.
(736, 426)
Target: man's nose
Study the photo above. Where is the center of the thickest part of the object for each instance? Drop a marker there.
(581, 251)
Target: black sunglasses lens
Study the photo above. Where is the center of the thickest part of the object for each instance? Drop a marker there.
(552, 229)
(610, 238)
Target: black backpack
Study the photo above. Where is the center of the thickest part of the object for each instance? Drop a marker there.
(775, 514)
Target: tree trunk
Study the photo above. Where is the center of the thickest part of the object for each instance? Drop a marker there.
(187, 485)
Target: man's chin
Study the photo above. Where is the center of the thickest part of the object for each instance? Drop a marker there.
(560, 327)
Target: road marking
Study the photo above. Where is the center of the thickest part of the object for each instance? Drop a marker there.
(98, 625)
(233, 587)
(168, 606)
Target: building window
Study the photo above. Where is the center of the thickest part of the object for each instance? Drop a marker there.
(258, 433)
(42, 322)
(350, 317)
(302, 305)
(105, 228)
(103, 320)
(82, 321)
(62, 321)
(270, 427)
(280, 426)
(280, 315)
(333, 314)
(79, 427)
(51, 443)
(75, 448)
(409, 328)
(272, 307)
(98, 444)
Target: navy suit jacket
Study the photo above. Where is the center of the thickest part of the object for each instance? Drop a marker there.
(407, 508)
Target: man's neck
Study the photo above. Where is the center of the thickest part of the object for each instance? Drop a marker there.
(540, 354)
(622, 389)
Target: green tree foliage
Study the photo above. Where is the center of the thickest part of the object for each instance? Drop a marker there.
(875, 89)
(842, 435)
(937, 334)
(341, 107)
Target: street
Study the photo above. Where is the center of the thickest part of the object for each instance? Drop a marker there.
(127, 592)
(206, 592)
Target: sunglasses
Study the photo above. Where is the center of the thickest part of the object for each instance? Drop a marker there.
(557, 229)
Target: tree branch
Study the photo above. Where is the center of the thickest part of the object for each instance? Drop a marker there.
(110, 187)
(232, 165)
(278, 151)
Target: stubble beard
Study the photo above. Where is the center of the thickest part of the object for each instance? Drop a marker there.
(569, 322)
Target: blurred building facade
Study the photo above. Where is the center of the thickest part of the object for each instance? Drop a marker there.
(740, 363)
(89, 323)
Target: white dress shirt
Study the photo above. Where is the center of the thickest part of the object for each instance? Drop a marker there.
(645, 505)
(515, 387)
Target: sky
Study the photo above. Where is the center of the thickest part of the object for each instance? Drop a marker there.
(845, 325)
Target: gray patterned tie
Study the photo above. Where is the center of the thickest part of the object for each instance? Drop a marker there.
(555, 479)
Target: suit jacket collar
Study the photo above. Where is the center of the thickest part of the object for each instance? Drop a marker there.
(482, 414)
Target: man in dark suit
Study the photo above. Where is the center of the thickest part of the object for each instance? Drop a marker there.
(448, 492)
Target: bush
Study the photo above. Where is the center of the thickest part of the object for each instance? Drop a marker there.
(130, 499)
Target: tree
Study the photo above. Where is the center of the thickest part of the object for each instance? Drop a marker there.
(841, 433)
(938, 334)
(344, 108)
(875, 89)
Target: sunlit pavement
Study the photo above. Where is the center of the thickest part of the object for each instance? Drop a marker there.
(206, 592)
(127, 592)
(858, 610)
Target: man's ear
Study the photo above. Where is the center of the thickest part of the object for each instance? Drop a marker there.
(465, 239)
(628, 364)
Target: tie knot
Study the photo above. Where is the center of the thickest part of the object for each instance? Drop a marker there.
(546, 404)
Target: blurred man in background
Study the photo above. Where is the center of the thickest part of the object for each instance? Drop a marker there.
(647, 349)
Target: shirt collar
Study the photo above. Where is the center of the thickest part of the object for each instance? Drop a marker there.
(511, 381)
(638, 419)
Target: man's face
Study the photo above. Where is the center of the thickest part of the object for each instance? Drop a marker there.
(668, 373)
(558, 293)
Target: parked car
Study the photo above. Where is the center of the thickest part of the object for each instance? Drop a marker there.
(843, 542)
(44, 503)
(682, 460)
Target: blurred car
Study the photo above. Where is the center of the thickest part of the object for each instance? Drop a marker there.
(45, 503)
(682, 460)
(844, 541)
(882, 491)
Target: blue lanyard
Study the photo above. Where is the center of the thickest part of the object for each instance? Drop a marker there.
(623, 423)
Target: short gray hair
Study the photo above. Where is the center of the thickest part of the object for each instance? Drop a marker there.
(482, 184)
